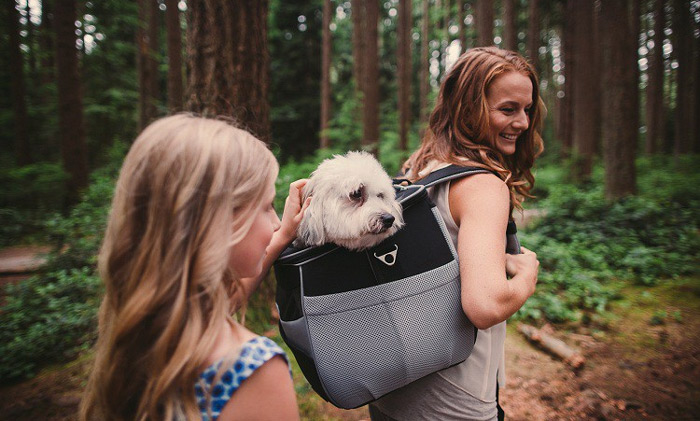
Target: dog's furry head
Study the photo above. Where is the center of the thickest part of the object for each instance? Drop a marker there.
(353, 204)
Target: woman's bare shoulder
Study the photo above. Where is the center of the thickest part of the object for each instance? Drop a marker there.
(479, 194)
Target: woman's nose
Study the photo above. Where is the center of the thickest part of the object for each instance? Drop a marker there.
(522, 121)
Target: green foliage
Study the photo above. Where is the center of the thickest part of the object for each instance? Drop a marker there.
(35, 186)
(51, 316)
(47, 319)
(586, 245)
(28, 193)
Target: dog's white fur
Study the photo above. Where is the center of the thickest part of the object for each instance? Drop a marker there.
(337, 215)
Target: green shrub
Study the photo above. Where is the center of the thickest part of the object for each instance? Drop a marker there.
(47, 319)
(586, 244)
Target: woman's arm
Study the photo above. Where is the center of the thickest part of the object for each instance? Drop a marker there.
(291, 218)
(480, 205)
(268, 394)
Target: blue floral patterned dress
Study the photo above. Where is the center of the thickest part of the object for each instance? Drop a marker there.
(254, 354)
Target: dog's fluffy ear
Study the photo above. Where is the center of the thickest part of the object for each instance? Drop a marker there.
(310, 231)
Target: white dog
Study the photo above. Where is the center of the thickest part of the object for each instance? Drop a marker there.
(353, 204)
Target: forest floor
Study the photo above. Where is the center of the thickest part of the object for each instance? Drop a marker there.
(642, 362)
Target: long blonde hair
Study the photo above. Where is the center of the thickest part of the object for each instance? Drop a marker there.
(185, 194)
(459, 124)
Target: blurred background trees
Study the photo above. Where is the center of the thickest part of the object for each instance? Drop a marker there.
(261, 63)
(620, 78)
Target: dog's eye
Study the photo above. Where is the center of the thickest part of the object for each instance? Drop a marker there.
(380, 195)
(357, 194)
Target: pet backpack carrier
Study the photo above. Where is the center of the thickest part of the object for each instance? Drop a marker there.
(362, 324)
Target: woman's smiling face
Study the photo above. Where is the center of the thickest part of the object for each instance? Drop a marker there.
(509, 99)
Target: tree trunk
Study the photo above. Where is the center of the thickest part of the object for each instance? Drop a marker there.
(619, 136)
(359, 21)
(70, 101)
(696, 142)
(682, 47)
(634, 15)
(585, 90)
(30, 41)
(325, 74)
(655, 85)
(405, 61)
(227, 59)
(446, 23)
(370, 136)
(510, 28)
(462, 28)
(46, 42)
(172, 19)
(533, 33)
(568, 58)
(147, 110)
(484, 22)
(19, 104)
(153, 52)
(424, 83)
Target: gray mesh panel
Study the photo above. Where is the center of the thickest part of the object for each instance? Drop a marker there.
(364, 353)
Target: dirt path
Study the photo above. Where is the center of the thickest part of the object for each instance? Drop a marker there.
(18, 263)
(642, 362)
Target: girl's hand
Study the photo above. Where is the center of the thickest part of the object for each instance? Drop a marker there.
(526, 265)
(293, 211)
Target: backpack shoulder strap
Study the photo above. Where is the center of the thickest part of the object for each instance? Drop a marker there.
(450, 172)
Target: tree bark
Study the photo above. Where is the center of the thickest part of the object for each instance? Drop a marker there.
(172, 18)
(147, 110)
(619, 134)
(227, 59)
(405, 62)
(359, 21)
(370, 134)
(655, 85)
(30, 41)
(424, 82)
(585, 90)
(70, 101)
(696, 142)
(46, 42)
(682, 43)
(510, 28)
(462, 28)
(634, 15)
(153, 51)
(325, 75)
(553, 345)
(568, 57)
(484, 22)
(533, 33)
(446, 22)
(23, 154)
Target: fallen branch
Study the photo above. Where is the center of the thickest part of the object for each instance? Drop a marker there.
(553, 345)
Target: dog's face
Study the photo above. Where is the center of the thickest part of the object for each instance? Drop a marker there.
(353, 204)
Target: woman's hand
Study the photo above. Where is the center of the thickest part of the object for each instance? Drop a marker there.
(293, 211)
(526, 265)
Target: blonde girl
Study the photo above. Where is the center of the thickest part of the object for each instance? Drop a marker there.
(488, 114)
(191, 232)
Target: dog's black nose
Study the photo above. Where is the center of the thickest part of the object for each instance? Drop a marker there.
(387, 220)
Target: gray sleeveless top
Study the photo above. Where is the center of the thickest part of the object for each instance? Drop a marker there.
(466, 391)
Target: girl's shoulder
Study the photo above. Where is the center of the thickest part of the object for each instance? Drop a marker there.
(219, 381)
